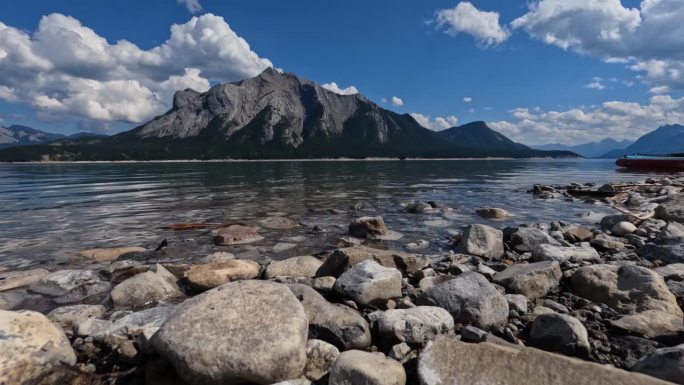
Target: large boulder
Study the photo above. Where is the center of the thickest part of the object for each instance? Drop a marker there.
(363, 368)
(146, 288)
(483, 241)
(304, 266)
(337, 324)
(583, 252)
(528, 238)
(33, 350)
(668, 250)
(627, 289)
(672, 210)
(14, 279)
(415, 326)
(470, 298)
(560, 333)
(369, 283)
(346, 257)
(533, 280)
(71, 285)
(210, 275)
(210, 339)
(449, 361)
(664, 363)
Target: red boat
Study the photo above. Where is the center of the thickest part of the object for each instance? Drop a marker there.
(653, 162)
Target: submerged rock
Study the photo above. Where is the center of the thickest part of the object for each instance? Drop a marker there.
(278, 223)
(470, 299)
(33, 350)
(236, 235)
(368, 227)
(493, 213)
(108, 254)
(211, 340)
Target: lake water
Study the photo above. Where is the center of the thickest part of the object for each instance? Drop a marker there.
(49, 211)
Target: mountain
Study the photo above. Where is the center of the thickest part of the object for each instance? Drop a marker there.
(588, 150)
(17, 135)
(479, 135)
(664, 140)
(276, 115)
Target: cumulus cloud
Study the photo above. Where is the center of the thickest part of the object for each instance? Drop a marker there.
(595, 85)
(351, 90)
(396, 101)
(467, 99)
(615, 119)
(649, 39)
(65, 69)
(193, 6)
(438, 124)
(466, 18)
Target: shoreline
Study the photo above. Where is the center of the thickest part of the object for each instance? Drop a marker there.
(600, 302)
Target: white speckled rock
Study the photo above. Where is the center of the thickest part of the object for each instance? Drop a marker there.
(355, 367)
(415, 326)
(369, 283)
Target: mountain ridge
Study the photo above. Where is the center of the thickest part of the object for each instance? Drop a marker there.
(277, 115)
(588, 150)
(665, 139)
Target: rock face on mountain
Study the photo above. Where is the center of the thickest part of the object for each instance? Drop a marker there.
(278, 115)
(16, 135)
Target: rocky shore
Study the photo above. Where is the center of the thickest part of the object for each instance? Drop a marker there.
(552, 303)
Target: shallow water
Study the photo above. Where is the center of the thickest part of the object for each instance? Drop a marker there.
(48, 211)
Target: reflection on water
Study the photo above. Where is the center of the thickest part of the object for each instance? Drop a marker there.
(50, 210)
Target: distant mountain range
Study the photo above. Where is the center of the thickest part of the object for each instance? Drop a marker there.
(591, 149)
(278, 115)
(664, 140)
(16, 135)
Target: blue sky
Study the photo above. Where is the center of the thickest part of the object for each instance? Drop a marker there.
(444, 59)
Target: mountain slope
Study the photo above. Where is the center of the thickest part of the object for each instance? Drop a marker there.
(273, 115)
(17, 135)
(664, 140)
(591, 149)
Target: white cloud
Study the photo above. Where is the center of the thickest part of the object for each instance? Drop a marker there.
(67, 70)
(193, 6)
(649, 39)
(384, 100)
(659, 90)
(351, 90)
(466, 18)
(467, 99)
(440, 123)
(397, 102)
(615, 119)
(595, 85)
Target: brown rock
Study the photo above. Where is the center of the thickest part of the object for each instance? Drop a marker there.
(211, 275)
(344, 258)
(15, 279)
(107, 254)
(236, 235)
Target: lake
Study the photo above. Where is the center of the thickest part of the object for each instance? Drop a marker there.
(49, 211)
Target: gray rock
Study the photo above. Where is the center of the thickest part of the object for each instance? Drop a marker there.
(621, 229)
(555, 306)
(533, 280)
(472, 334)
(298, 381)
(218, 256)
(368, 227)
(673, 271)
(664, 363)
(672, 210)
(470, 299)
(449, 361)
(11, 300)
(32, 349)
(145, 289)
(71, 285)
(493, 213)
(369, 283)
(209, 339)
(651, 324)
(483, 241)
(609, 221)
(320, 357)
(575, 234)
(668, 250)
(93, 327)
(337, 324)
(672, 229)
(627, 289)
(526, 239)
(560, 333)
(346, 257)
(517, 302)
(304, 266)
(362, 368)
(146, 322)
(429, 282)
(418, 207)
(605, 242)
(415, 326)
(577, 254)
(67, 317)
(324, 284)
